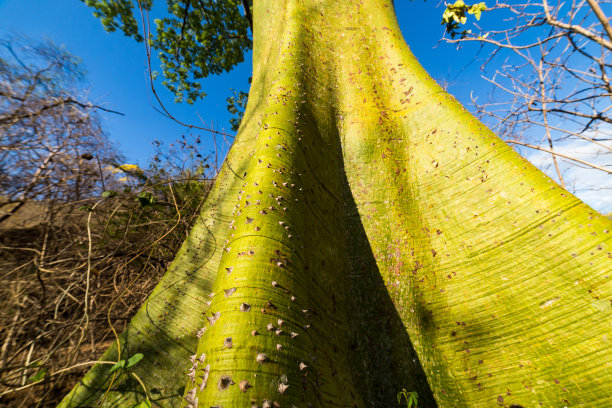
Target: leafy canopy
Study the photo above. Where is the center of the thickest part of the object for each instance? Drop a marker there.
(194, 39)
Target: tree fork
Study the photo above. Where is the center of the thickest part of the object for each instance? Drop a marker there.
(360, 204)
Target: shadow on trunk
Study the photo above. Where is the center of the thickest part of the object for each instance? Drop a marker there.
(383, 360)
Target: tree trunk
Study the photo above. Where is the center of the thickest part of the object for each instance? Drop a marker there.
(361, 204)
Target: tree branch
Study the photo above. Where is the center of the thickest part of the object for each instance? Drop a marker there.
(560, 155)
(247, 13)
(58, 102)
(576, 29)
(601, 16)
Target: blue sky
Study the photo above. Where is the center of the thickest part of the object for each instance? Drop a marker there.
(117, 71)
(117, 75)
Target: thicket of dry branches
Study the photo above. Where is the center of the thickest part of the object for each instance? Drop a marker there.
(83, 236)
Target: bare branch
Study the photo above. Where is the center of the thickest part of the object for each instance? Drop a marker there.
(576, 29)
(605, 23)
(560, 155)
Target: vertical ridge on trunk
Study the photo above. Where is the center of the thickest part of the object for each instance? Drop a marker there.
(278, 331)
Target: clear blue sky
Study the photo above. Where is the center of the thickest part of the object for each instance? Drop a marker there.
(117, 77)
(117, 74)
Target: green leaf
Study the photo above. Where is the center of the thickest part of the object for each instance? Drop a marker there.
(119, 364)
(145, 199)
(87, 208)
(132, 361)
(40, 374)
(477, 9)
(109, 194)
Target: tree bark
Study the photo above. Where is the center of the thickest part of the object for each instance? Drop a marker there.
(360, 205)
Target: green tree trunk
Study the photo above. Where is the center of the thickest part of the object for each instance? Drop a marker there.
(360, 205)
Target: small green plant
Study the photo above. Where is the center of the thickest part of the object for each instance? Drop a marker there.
(40, 374)
(410, 396)
(129, 363)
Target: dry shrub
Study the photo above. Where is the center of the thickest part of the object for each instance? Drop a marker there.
(71, 270)
(83, 238)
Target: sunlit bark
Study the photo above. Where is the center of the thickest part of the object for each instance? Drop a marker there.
(361, 203)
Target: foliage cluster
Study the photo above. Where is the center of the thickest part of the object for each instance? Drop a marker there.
(194, 39)
(456, 14)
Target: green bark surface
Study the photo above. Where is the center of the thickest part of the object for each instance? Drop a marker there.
(289, 327)
(361, 211)
(501, 277)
